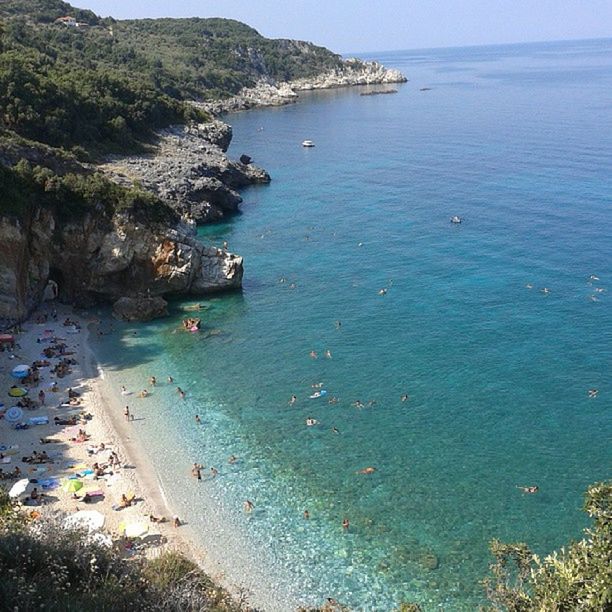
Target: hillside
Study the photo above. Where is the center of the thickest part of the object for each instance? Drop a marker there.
(105, 85)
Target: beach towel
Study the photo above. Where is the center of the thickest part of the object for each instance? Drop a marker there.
(39, 420)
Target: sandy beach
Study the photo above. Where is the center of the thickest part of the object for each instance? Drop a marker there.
(68, 452)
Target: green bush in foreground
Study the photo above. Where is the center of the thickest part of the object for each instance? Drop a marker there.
(43, 566)
(575, 578)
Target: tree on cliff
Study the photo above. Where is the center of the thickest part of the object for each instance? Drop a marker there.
(578, 577)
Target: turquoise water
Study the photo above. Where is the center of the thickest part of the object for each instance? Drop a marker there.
(518, 141)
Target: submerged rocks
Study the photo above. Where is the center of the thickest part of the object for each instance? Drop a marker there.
(140, 308)
(190, 171)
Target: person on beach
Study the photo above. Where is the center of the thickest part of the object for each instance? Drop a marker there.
(248, 506)
(126, 413)
(180, 392)
(345, 524)
(41, 397)
(176, 522)
(196, 471)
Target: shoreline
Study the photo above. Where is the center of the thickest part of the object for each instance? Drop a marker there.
(137, 474)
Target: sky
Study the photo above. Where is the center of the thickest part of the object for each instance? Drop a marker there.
(379, 25)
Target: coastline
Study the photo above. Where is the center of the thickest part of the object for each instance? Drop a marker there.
(137, 474)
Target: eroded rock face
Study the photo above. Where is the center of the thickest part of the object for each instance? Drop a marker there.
(140, 308)
(190, 171)
(97, 259)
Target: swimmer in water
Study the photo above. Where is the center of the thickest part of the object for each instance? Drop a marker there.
(405, 397)
(367, 470)
(248, 506)
(593, 392)
(332, 400)
(214, 472)
(546, 291)
(144, 393)
(328, 354)
(335, 430)
(198, 420)
(338, 324)
(313, 355)
(306, 514)
(310, 421)
(382, 291)
(530, 489)
(358, 404)
(317, 385)
(180, 392)
(593, 277)
(232, 459)
(170, 380)
(529, 286)
(345, 524)
(293, 400)
(153, 381)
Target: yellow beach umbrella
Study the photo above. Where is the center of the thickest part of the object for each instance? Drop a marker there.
(17, 391)
(72, 486)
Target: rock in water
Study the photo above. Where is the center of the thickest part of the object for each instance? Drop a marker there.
(246, 159)
(140, 308)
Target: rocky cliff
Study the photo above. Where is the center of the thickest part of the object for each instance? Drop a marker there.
(190, 171)
(268, 92)
(101, 259)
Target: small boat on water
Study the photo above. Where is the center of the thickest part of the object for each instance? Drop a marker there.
(308, 144)
(456, 219)
(194, 307)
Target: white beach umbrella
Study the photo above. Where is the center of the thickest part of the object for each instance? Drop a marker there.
(13, 414)
(18, 488)
(133, 530)
(91, 519)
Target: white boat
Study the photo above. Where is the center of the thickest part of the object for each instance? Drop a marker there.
(308, 143)
(456, 219)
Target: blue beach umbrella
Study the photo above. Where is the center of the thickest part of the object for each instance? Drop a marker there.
(20, 371)
(13, 414)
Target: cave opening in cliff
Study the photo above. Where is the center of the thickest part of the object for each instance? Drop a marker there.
(56, 277)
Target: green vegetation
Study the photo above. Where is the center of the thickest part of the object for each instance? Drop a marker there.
(108, 84)
(44, 566)
(575, 578)
(71, 195)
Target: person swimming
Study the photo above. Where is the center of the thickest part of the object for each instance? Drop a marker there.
(405, 397)
(382, 291)
(180, 392)
(248, 506)
(293, 400)
(328, 354)
(367, 470)
(593, 392)
(313, 355)
(529, 489)
(198, 420)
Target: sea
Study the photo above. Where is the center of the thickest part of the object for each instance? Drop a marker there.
(455, 359)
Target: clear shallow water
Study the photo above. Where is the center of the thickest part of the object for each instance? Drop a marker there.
(516, 139)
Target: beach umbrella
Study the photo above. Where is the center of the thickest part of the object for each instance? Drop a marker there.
(17, 392)
(72, 486)
(89, 519)
(20, 371)
(133, 530)
(13, 414)
(18, 488)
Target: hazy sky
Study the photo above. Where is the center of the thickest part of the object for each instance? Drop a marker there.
(377, 25)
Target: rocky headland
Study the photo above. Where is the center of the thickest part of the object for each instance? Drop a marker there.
(268, 92)
(190, 171)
